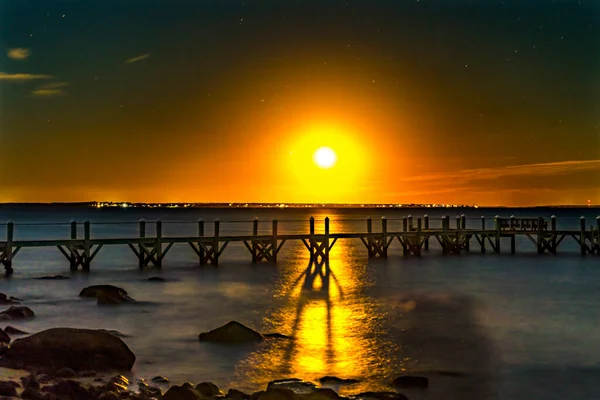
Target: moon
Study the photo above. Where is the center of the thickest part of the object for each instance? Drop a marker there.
(325, 157)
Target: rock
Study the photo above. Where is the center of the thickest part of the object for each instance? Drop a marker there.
(408, 381)
(65, 373)
(208, 389)
(32, 394)
(298, 386)
(14, 331)
(151, 391)
(334, 380)
(16, 312)
(44, 378)
(232, 332)
(30, 381)
(115, 333)
(108, 396)
(183, 392)
(381, 396)
(235, 394)
(276, 335)
(69, 389)
(160, 379)
(8, 388)
(322, 394)
(54, 277)
(106, 294)
(3, 348)
(4, 299)
(4, 338)
(277, 394)
(78, 349)
(156, 279)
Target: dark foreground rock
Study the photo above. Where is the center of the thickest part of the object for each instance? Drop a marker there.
(232, 332)
(78, 349)
(380, 396)
(4, 338)
(8, 388)
(334, 380)
(408, 381)
(183, 392)
(16, 312)
(156, 279)
(208, 389)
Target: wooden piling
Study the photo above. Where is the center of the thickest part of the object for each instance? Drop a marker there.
(497, 234)
(582, 235)
(417, 249)
(142, 234)
(540, 235)
(8, 251)
(87, 258)
(384, 238)
(483, 235)
(405, 224)
(215, 244)
(274, 243)
(158, 245)
(426, 227)
(463, 221)
(254, 243)
(554, 234)
(72, 252)
(410, 223)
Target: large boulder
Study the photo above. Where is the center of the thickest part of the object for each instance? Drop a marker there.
(78, 349)
(183, 392)
(106, 294)
(409, 381)
(16, 312)
(232, 332)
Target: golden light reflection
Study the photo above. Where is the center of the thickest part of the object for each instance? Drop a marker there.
(333, 324)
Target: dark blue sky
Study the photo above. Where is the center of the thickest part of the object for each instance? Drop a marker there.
(476, 84)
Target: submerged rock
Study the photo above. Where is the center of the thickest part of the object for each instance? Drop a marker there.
(235, 394)
(334, 380)
(408, 381)
(8, 388)
(106, 294)
(4, 299)
(156, 279)
(78, 349)
(14, 331)
(276, 335)
(296, 385)
(380, 396)
(54, 277)
(232, 332)
(16, 312)
(160, 379)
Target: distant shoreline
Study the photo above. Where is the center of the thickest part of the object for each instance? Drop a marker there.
(117, 205)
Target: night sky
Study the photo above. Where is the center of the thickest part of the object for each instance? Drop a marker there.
(430, 101)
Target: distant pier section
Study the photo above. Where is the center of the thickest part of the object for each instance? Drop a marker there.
(414, 236)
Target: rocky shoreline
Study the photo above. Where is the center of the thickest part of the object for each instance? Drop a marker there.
(86, 364)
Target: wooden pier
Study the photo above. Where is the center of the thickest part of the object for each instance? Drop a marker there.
(414, 238)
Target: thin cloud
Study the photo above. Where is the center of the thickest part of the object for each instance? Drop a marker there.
(19, 53)
(50, 89)
(551, 168)
(136, 59)
(22, 77)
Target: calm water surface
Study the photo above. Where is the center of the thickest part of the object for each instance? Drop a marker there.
(519, 327)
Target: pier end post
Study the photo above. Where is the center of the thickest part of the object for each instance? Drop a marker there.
(426, 227)
(274, 244)
(216, 242)
(158, 244)
(497, 234)
(582, 235)
(384, 245)
(142, 234)
(254, 244)
(8, 251)
(86, 245)
(72, 252)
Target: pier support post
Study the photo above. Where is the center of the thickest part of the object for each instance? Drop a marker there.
(582, 236)
(7, 254)
(497, 234)
(142, 234)
(410, 223)
(215, 244)
(554, 233)
(72, 258)
(200, 251)
(483, 235)
(158, 245)
(384, 236)
(540, 235)
(87, 259)
(254, 249)
(318, 246)
(426, 227)
(274, 244)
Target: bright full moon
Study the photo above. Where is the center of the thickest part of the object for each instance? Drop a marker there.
(325, 157)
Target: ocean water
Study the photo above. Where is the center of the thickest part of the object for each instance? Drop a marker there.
(518, 326)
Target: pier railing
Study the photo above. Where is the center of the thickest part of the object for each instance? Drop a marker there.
(264, 239)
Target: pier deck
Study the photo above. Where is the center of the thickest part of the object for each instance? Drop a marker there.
(414, 237)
